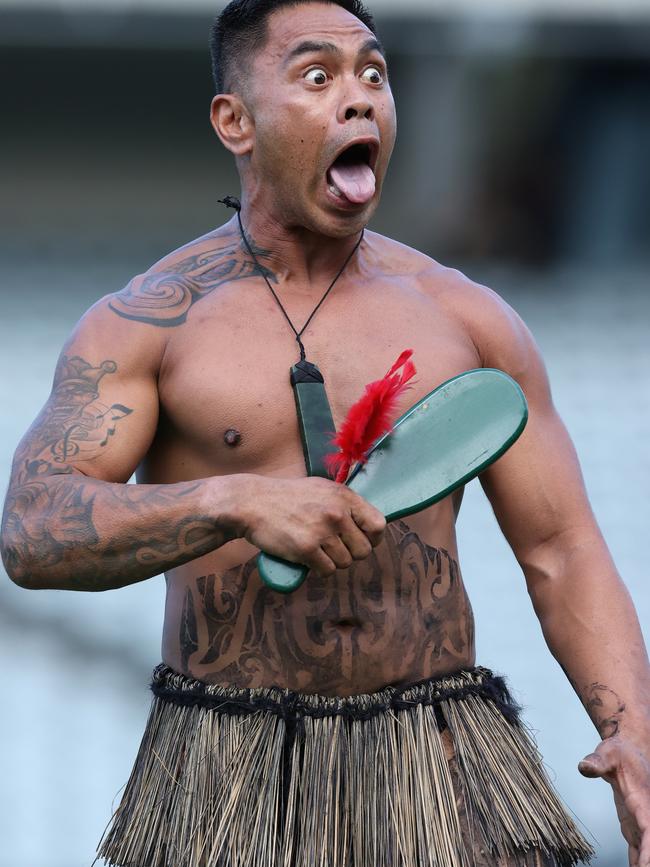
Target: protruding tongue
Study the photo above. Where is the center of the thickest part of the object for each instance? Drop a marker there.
(356, 181)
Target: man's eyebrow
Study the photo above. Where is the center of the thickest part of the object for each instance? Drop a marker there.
(313, 47)
(372, 45)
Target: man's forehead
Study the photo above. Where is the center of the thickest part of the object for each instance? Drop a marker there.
(311, 22)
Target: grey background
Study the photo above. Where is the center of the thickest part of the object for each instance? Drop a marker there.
(521, 159)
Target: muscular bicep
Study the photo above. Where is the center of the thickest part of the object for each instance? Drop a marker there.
(102, 412)
(536, 489)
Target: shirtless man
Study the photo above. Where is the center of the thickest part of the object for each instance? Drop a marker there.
(183, 375)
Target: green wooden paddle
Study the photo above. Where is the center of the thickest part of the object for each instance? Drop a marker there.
(442, 442)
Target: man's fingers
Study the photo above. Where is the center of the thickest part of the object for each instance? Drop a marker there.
(371, 521)
(622, 764)
(319, 562)
(356, 541)
(643, 852)
(643, 858)
(592, 766)
(337, 550)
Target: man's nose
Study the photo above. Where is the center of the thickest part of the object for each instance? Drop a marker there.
(360, 109)
(356, 105)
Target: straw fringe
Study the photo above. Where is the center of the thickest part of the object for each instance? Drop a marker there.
(219, 788)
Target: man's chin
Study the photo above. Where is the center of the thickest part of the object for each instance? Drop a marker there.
(321, 216)
(341, 223)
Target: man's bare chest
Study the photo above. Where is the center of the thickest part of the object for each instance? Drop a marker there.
(224, 389)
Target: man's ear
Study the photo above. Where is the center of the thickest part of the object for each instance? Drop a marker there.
(232, 123)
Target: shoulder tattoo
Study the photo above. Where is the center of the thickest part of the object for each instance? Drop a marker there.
(165, 298)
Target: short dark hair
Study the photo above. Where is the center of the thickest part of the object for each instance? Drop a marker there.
(240, 30)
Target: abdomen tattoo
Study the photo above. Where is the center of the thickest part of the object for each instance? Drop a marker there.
(401, 614)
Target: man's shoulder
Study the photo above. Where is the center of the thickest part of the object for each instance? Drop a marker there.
(134, 321)
(164, 294)
(446, 283)
(497, 331)
(394, 258)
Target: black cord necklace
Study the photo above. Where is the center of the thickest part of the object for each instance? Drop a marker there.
(312, 406)
(232, 202)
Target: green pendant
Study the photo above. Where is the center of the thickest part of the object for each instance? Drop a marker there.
(314, 416)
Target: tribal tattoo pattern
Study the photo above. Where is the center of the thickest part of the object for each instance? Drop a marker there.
(605, 708)
(165, 298)
(52, 510)
(413, 614)
(74, 425)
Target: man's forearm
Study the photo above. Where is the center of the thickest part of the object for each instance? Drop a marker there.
(591, 628)
(72, 532)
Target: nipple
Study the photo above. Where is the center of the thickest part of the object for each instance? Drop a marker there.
(232, 437)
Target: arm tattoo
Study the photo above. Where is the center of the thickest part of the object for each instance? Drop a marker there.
(42, 518)
(74, 424)
(51, 515)
(165, 298)
(605, 708)
(42, 523)
(51, 527)
(252, 638)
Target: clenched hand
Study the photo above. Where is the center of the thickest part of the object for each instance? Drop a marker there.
(312, 521)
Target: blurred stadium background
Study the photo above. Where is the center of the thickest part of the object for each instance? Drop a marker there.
(523, 159)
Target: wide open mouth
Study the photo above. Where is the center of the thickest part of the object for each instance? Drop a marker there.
(351, 176)
(355, 154)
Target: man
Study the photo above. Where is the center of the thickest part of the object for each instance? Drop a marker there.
(292, 700)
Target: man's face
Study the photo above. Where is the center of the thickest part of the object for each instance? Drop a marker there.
(324, 119)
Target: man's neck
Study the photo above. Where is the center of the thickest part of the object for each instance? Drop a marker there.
(295, 255)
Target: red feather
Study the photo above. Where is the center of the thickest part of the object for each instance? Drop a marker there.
(369, 418)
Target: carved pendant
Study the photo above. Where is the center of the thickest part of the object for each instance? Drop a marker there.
(314, 416)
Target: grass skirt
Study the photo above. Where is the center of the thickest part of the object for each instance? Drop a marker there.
(267, 777)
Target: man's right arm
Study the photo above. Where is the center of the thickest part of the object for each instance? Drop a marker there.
(71, 521)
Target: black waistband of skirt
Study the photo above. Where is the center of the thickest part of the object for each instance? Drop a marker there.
(170, 686)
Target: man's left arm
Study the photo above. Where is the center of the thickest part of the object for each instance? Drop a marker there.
(587, 617)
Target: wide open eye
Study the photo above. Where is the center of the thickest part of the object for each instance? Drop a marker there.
(372, 75)
(317, 76)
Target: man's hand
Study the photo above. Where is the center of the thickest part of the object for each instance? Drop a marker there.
(313, 521)
(620, 762)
